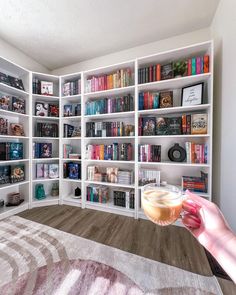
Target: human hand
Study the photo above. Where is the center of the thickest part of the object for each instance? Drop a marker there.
(205, 221)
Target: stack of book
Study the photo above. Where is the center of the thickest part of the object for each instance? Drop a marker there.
(11, 81)
(47, 171)
(72, 87)
(42, 87)
(12, 174)
(67, 152)
(42, 150)
(120, 78)
(12, 103)
(149, 153)
(97, 193)
(187, 124)
(146, 176)
(46, 109)
(72, 110)
(125, 177)
(46, 130)
(11, 151)
(148, 100)
(124, 198)
(115, 151)
(196, 153)
(72, 170)
(192, 66)
(107, 129)
(72, 131)
(195, 184)
(110, 105)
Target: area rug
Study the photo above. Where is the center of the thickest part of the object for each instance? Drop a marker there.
(37, 259)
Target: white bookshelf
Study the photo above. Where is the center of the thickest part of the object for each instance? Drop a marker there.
(170, 171)
(22, 187)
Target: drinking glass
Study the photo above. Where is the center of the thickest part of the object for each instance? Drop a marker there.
(162, 204)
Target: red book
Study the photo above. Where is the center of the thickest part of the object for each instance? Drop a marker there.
(193, 155)
(158, 72)
(145, 100)
(206, 64)
(190, 67)
(198, 66)
(150, 74)
(150, 100)
(184, 124)
(188, 124)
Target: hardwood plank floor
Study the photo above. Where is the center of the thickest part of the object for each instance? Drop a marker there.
(171, 245)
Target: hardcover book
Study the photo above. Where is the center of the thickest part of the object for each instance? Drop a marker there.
(53, 110)
(15, 150)
(149, 126)
(15, 82)
(67, 110)
(162, 126)
(73, 170)
(53, 170)
(3, 126)
(17, 173)
(17, 129)
(45, 150)
(4, 102)
(18, 105)
(46, 88)
(166, 99)
(39, 170)
(41, 109)
(167, 71)
(199, 123)
(4, 174)
(175, 125)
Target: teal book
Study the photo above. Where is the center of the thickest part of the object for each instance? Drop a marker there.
(155, 100)
(194, 66)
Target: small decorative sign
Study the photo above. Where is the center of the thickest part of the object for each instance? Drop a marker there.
(192, 95)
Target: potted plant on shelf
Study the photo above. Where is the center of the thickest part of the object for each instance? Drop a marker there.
(180, 69)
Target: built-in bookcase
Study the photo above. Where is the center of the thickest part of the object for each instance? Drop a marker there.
(37, 139)
(171, 172)
(22, 187)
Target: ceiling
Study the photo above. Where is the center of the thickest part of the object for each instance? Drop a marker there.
(58, 33)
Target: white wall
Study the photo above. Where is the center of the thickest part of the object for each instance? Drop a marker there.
(224, 183)
(9, 52)
(150, 48)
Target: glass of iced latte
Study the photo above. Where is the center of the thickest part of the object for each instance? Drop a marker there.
(162, 204)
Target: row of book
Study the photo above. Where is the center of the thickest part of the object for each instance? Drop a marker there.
(146, 176)
(44, 109)
(13, 129)
(42, 87)
(97, 193)
(46, 130)
(115, 151)
(110, 174)
(117, 79)
(12, 174)
(47, 171)
(196, 184)
(196, 153)
(71, 130)
(42, 150)
(12, 103)
(72, 170)
(149, 153)
(11, 151)
(124, 198)
(68, 152)
(187, 124)
(108, 129)
(110, 105)
(192, 66)
(72, 110)
(154, 100)
(11, 81)
(72, 87)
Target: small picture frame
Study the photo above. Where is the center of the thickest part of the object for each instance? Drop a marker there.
(192, 95)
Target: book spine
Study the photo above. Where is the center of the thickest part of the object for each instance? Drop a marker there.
(206, 63)
(194, 66)
(198, 65)
(158, 72)
(190, 67)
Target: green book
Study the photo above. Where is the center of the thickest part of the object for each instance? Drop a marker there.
(194, 66)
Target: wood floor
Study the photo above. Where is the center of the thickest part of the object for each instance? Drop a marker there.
(171, 245)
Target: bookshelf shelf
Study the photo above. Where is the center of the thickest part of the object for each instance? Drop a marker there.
(13, 114)
(13, 161)
(109, 184)
(11, 185)
(174, 83)
(114, 91)
(8, 211)
(110, 115)
(175, 110)
(45, 179)
(67, 186)
(12, 90)
(45, 118)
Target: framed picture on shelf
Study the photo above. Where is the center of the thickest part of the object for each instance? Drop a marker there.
(192, 95)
